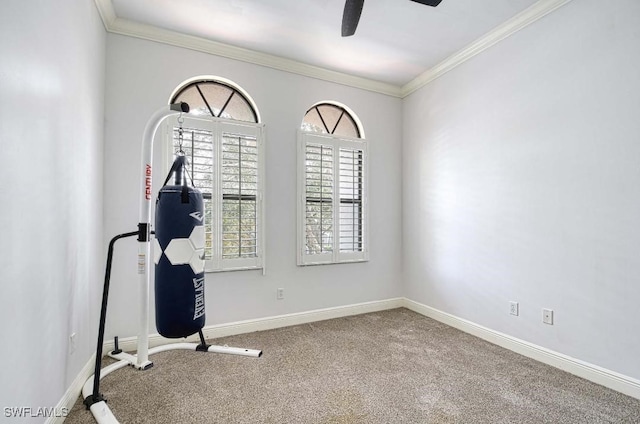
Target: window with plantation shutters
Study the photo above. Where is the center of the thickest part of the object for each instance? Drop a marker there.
(239, 196)
(224, 151)
(332, 172)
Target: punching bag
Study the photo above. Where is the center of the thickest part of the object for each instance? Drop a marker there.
(179, 256)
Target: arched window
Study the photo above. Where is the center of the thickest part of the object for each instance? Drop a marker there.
(332, 186)
(331, 118)
(223, 141)
(216, 97)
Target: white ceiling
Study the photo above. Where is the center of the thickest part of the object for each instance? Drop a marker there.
(396, 41)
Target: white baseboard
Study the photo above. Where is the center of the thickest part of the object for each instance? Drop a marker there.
(611, 379)
(73, 391)
(269, 323)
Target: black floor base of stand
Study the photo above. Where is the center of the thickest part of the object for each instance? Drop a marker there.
(203, 346)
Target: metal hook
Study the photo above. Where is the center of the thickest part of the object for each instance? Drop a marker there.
(180, 135)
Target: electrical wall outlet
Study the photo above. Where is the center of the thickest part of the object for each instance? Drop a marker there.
(280, 293)
(72, 343)
(547, 316)
(513, 308)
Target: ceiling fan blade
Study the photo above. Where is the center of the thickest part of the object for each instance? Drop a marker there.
(433, 3)
(351, 16)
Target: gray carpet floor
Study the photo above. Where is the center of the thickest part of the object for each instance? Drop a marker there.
(386, 367)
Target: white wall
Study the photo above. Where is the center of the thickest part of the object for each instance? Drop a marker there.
(51, 137)
(140, 78)
(521, 171)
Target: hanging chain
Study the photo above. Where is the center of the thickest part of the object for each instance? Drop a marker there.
(180, 135)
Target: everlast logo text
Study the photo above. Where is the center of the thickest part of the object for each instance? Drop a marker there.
(198, 285)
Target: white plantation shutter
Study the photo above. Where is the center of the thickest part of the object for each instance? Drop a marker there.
(351, 186)
(241, 196)
(319, 207)
(225, 162)
(332, 210)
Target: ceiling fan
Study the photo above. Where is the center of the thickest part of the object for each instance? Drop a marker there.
(353, 9)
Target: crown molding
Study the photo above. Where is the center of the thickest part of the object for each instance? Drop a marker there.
(106, 11)
(510, 27)
(117, 25)
(121, 26)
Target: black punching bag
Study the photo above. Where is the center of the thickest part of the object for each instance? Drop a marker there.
(179, 257)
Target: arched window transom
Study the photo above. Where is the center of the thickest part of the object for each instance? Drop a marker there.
(216, 98)
(331, 118)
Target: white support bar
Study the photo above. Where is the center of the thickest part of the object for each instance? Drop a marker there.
(144, 220)
(88, 385)
(124, 356)
(213, 349)
(235, 351)
(102, 413)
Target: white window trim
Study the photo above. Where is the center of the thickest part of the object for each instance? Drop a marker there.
(335, 256)
(218, 127)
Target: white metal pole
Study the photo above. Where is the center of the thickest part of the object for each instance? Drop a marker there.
(144, 227)
(212, 348)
